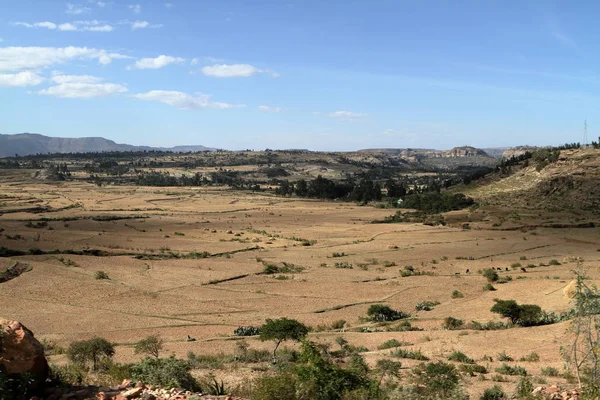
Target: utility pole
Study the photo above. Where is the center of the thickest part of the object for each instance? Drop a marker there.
(585, 137)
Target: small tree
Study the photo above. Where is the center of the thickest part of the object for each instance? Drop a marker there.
(383, 313)
(436, 379)
(150, 345)
(280, 330)
(583, 355)
(490, 274)
(94, 350)
(525, 315)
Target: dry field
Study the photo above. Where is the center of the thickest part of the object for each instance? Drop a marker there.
(150, 292)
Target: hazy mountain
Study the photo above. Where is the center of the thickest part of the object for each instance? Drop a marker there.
(32, 143)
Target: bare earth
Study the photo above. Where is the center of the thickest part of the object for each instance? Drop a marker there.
(175, 297)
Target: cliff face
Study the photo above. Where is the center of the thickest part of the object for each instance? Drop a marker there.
(517, 151)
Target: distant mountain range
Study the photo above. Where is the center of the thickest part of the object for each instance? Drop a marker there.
(31, 143)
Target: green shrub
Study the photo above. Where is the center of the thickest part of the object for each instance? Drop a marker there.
(94, 351)
(246, 331)
(504, 357)
(435, 379)
(488, 287)
(524, 388)
(413, 355)
(524, 315)
(554, 262)
(383, 313)
(150, 345)
(390, 344)
(165, 372)
(426, 305)
(490, 274)
(471, 369)
(451, 323)
(506, 369)
(457, 294)
(550, 371)
(461, 357)
(493, 393)
(101, 275)
(531, 357)
(68, 374)
(281, 386)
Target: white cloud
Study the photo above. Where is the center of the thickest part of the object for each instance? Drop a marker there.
(169, 5)
(136, 8)
(93, 22)
(27, 58)
(156, 63)
(99, 28)
(346, 114)
(234, 71)
(184, 101)
(92, 26)
(269, 109)
(194, 61)
(67, 27)
(76, 9)
(144, 24)
(59, 78)
(25, 78)
(100, 4)
(83, 90)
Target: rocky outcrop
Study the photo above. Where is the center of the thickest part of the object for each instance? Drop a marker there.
(518, 151)
(21, 353)
(465, 151)
(555, 393)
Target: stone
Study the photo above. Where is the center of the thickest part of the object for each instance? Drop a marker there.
(132, 393)
(23, 353)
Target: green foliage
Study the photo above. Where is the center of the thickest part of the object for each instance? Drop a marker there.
(493, 393)
(390, 344)
(461, 357)
(471, 369)
(409, 354)
(281, 386)
(426, 305)
(524, 315)
(150, 345)
(554, 262)
(165, 372)
(383, 313)
(16, 387)
(435, 379)
(490, 274)
(437, 202)
(550, 371)
(489, 288)
(246, 331)
(279, 330)
(506, 369)
(101, 275)
(451, 323)
(92, 351)
(504, 357)
(531, 357)
(457, 294)
(51, 348)
(524, 388)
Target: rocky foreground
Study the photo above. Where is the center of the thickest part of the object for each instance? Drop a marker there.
(22, 354)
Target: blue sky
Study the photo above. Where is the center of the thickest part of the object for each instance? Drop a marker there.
(322, 75)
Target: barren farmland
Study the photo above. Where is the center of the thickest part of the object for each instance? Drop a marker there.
(190, 261)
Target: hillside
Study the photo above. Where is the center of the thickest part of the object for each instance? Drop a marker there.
(569, 183)
(31, 143)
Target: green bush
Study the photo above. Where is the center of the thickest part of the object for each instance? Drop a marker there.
(524, 315)
(554, 262)
(165, 372)
(435, 379)
(101, 275)
(471, 369)
(282, 386)
(383, 313)
(461, 357)
(426, 305)
(504, 357)
(150, 345)
(413, 355)
(506, 369)
(489, 288)
(550, 371)
(246, 331)
(490, 274)
(451, 323)
(493, 393)
(94, 351)
(457, 294)
(531, 357)
(524, 388)
(390, 344)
